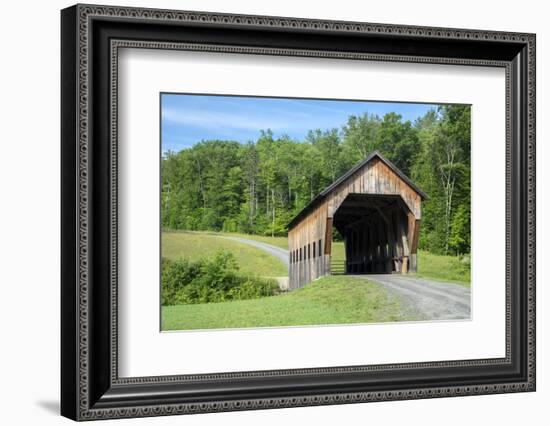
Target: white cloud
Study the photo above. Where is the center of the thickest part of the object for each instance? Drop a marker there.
(215, 120)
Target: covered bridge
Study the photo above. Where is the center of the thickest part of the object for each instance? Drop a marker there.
(376, 209)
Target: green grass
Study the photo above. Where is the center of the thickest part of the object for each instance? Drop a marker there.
(442, 268)
(338, 252)
(281, 242)
(329, 300)
(194, 245)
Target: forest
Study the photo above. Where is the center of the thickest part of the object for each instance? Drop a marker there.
(258, 187)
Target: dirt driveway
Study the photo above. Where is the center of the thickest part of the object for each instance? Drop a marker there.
(429, 300)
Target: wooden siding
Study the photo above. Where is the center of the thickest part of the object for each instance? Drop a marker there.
(309, 231)
(375, 178)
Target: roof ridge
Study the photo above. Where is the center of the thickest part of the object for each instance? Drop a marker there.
(350, 172)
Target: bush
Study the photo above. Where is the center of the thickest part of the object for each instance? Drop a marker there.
(175, 277)
(466, 260)
(208, 280)
(254, 288)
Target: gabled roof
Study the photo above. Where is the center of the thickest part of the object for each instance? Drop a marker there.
(322, 195)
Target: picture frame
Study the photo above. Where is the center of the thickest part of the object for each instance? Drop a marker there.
(90, 385)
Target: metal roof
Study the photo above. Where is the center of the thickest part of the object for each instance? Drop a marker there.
(322, 195)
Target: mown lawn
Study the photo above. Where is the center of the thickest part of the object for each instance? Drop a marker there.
(329, 300)
(194, 245)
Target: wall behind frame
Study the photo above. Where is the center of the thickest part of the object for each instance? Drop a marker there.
(29, 219)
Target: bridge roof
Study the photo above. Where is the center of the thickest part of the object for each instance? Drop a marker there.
(323, 194)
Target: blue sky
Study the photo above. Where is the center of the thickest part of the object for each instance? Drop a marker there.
(188, 119)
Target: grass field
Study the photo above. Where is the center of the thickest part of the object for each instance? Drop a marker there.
(194, 245)
(281, 242)
(442, 268)
(329, 300)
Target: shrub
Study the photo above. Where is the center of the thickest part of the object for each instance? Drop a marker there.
(175, 277)
(254, 288)
(215, 279)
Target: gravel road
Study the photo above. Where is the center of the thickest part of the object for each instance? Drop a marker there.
(278, 252)
(429, 300)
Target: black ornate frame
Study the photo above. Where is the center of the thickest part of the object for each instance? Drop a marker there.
(91, 37)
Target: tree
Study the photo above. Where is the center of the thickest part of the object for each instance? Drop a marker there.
(231, 197)
(442, 169)
(449, 157)
(459, 240)
(398, 140)
(251, 168)
(360, 137)
(328, 150)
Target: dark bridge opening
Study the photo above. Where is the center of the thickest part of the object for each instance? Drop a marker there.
(377, 232)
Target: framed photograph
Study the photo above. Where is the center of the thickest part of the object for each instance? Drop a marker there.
(263, 212)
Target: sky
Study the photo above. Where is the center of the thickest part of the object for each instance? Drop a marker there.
(187, 119)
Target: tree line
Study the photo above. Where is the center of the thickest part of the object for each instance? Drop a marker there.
(258, 187)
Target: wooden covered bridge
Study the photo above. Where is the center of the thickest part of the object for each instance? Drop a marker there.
(376, 209)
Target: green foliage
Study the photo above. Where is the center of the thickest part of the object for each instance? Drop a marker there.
(215, 279)
(174, 278)
(258, 187)
(360, 136)
(442, 170)
(398, 141)
(459, 240)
